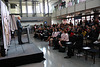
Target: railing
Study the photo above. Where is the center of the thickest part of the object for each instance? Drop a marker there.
(32, 15)
(81, 6)
(69, 4)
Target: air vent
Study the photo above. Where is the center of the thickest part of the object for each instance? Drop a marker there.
(6, 0)
(13, 6)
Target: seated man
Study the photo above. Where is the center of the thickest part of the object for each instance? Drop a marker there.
(99, 37)
(78, 43)
(98, 40)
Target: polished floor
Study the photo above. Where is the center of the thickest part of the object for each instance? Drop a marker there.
(19, 50)
(56, 59)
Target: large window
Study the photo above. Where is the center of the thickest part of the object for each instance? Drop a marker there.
(38, 8)
(88, 18)
(30, 9)
(23, 9)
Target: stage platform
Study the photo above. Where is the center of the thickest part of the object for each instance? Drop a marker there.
(21, 54)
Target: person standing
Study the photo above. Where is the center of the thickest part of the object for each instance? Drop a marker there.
(19, 26)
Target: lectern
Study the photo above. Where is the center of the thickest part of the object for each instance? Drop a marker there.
(27, 31)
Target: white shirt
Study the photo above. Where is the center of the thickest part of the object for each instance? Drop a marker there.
(54, 34)
(99, 37)
(64, 37)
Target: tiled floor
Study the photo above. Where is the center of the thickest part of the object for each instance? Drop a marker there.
(56, 59)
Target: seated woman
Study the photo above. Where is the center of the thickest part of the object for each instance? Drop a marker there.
(54, 35)
(84, 32)
(63, 39)
(49, 38)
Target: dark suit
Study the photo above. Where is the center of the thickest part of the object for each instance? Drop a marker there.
(19, 26)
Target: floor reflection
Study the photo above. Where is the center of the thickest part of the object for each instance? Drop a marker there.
(56, 59)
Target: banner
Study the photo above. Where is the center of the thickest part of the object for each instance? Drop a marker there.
(13, 23)
(5, 25)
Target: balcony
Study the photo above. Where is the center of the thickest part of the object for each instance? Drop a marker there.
(54, 14)
(63, 11)
(58, 13)
(88, 4)
(80, 6)
(70, 9)
(92, 4)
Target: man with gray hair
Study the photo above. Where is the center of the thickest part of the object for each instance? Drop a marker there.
(19, 26)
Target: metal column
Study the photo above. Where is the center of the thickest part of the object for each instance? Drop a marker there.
(26, 9)
(48, 7)
(43, 7)
(33, 7)
(20, 4)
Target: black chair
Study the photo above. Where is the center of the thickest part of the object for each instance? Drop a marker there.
(90, 51)
(45, 36)
(78, 43)
(93, 53)
(97, 45)
(85, 49)
(62, 49)
(70, 49)
(55, 43)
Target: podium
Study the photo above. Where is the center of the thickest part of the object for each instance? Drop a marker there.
(27, 31)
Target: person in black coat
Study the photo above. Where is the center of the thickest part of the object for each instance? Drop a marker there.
(19, 26)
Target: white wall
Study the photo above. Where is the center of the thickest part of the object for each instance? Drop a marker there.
(92, 4)
(80, 6)
(55, 21)
(31, 23)
(48, 19)
(88, 0)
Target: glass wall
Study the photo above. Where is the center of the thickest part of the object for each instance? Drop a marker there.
(39, 9)
(24, 9)
(35, 9)
(46, 7)
(51, 8)
(30, 10)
